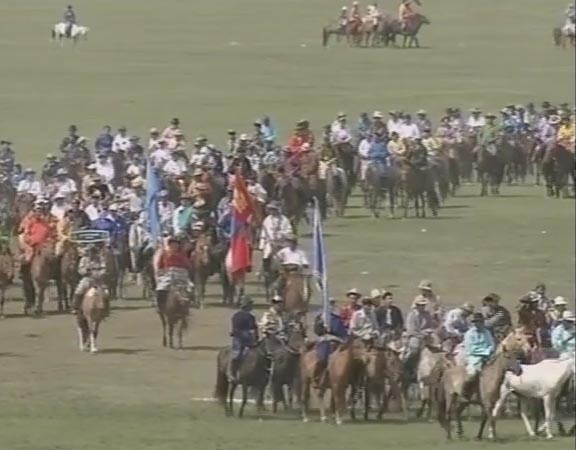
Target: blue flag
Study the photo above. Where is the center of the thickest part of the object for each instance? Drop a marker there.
(319, 271)
(153, 186)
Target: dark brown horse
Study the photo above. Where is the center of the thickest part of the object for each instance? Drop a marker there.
(491, 165)
(409, 31)
(43, 269)
(418, 187)
(6, 272)
(293, 198)
(557, 167)
(174, 313)
(69, 278)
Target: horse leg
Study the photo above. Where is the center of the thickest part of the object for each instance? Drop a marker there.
(339, 394)
(549, 414)
(2, 300)
(459, 408)
(306, 400)
(40, 300)
(260, 401)
(93, 328)
(244, 400)
(525, 419)
(230, 400)
(181, 327)
(164, 338)
(80, 329)
(170, 333)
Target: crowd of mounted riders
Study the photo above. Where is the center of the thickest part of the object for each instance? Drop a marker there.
(372, 27)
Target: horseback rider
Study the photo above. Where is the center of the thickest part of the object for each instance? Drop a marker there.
(563, 336)
(389, 316)
(422, 121)
(36, 228)
(244, 335)
(343, 18)
(418, 322)
(335, 331)
(498, 318)
(406, 12)
(69, 19)
(566, 134)
(92, 268)
(50, 167)
(432, 144)
(271, 322)
(355, 15)
(533, 320)
(302, 135)
(554, 314)
(489, 134)
(172, 267)
(434, 306)
(479, 346)
(363, 324)
(275, 229)
(292, 259)
(456, 322)
(29, 185)
(476, 121)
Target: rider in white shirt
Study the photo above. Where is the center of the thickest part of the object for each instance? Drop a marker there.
(291, 257)
(176, 166)
(476, 121)
(105, 168)
(63, 184)
(409, 130)
(339, 130)
(29, 185)
(121, 140)
(161, 155)
(394, 123)
(59, 206)
(275, 229)
(363, 323)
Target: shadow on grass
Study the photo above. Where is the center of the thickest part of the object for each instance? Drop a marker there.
(455, 206)
(123, 351)
(10, 355)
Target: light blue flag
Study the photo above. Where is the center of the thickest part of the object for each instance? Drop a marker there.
(153, 186)
(319, 271)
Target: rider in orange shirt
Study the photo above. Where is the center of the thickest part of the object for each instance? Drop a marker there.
(302, 135)
(37, 228)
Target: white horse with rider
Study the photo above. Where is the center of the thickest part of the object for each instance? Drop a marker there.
(60, 31)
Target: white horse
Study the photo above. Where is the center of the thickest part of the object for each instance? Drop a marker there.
(543, 381)
(77, 32)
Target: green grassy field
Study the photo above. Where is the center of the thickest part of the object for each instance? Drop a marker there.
(148, 61)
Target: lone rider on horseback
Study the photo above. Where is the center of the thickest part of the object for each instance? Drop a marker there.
(91, 268)
(292, 260)
(173, 266)
(479, 346)
(244, 335)
(275, 229)
(406, 12)
(69, 19)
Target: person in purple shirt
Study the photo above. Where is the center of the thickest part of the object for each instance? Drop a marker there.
(103, 143)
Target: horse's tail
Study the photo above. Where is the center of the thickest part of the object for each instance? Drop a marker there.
(439, 395)
(221, 388)
(557, 33)
(325, 36)
(53, 34)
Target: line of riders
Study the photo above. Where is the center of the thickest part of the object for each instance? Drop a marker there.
(374, 319)
(106, 191)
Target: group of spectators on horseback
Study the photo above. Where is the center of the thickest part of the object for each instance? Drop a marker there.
(353, 15)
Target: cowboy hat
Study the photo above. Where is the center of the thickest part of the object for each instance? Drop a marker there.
(197, 226)
(61, 171)
(375, 293)
(425, 285)
(29, 170)
(153, 130)
(92, 166)
(273, 205)
(59, 196)
(277, 299)
(341, 115)
(560, 301)
(199, 203)
(421, 112)
(137, 182)
(353, 292)
(492, 297)
(420, 300)
(377, 115)
(490, 115)
(468, 307)
(475, 110)
(553, 120)
(197, 172)
(569, 316)
(244, 137)
(163, 193)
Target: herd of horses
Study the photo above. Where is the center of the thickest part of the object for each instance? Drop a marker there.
(373, 374)
(380, 32)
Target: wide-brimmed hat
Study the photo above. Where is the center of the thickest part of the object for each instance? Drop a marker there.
(420, 300)
(375, 293)
(198, 226)
(137, 182)
(353, 292)
(153, 130)
(468, 307)
(421, 112)
(425, 285)
(554, 119)
(560, 301)
(59, 196)
(490, 115)
(492, 297)
(568, 316)
(61, 171)
(277, 299)
(377, 115)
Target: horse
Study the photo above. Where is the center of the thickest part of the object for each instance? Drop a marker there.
(43, 268)
(113, 279)
(432, 362)
(337, 190)
(253, 372)
(92, 311)
(6, 272)
(383, 364)
(418, 186)
(562, 35)
(59, 31)
(68, 267)
(286, 366)
(543, 380)
(22, 206)
(174, 312)
(346, 158)
(296, 293)
(327, 31)
(409, 31)
(454, 394)
(380, 181)
(202, 263)
(293, 199)
(491, 165)
(557, 166)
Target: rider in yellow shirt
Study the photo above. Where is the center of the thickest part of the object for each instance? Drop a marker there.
(565, 134)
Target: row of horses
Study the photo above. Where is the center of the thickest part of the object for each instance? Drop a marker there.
(381, 32)
(374, 374)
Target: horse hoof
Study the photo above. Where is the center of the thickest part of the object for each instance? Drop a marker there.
(338, 421)
(94, 350)
(305, 420)
(323, 419)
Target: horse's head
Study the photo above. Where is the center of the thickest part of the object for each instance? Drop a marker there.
(517, 342)
(422, 19)
(202, 249)
(296, 334)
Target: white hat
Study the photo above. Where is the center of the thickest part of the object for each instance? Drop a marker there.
(341, 115)
(560, 301)
(420, 300)
(375, 293)
(59, 196)
(61, 171)
(425, 285)
(92, 166)
(153, 130)
(137, 182)
(377, 115)
(353, 291)
(344, 8)
(468, 307)
(113, 207)
(569, 316)
(244, 137)
(198, 226)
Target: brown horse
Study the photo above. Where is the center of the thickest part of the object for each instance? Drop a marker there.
(22, 206)
(293, 199)
(296, 293)
(557, 167)
(92, 312)
(112, 279)
(393, 27)
(6, 272)
(380, 183)
(418, 187)
(491, 166)
(347, 159)
(383, 365)
(203, 266)
(454, 393)
(68, 264)
(174, 312)
(561, 38)
(43, 269)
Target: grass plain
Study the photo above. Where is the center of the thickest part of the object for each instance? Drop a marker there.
(218, 65)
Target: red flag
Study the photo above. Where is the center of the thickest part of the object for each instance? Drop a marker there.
(240, 253)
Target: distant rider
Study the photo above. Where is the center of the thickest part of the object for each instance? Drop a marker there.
(69, 20)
